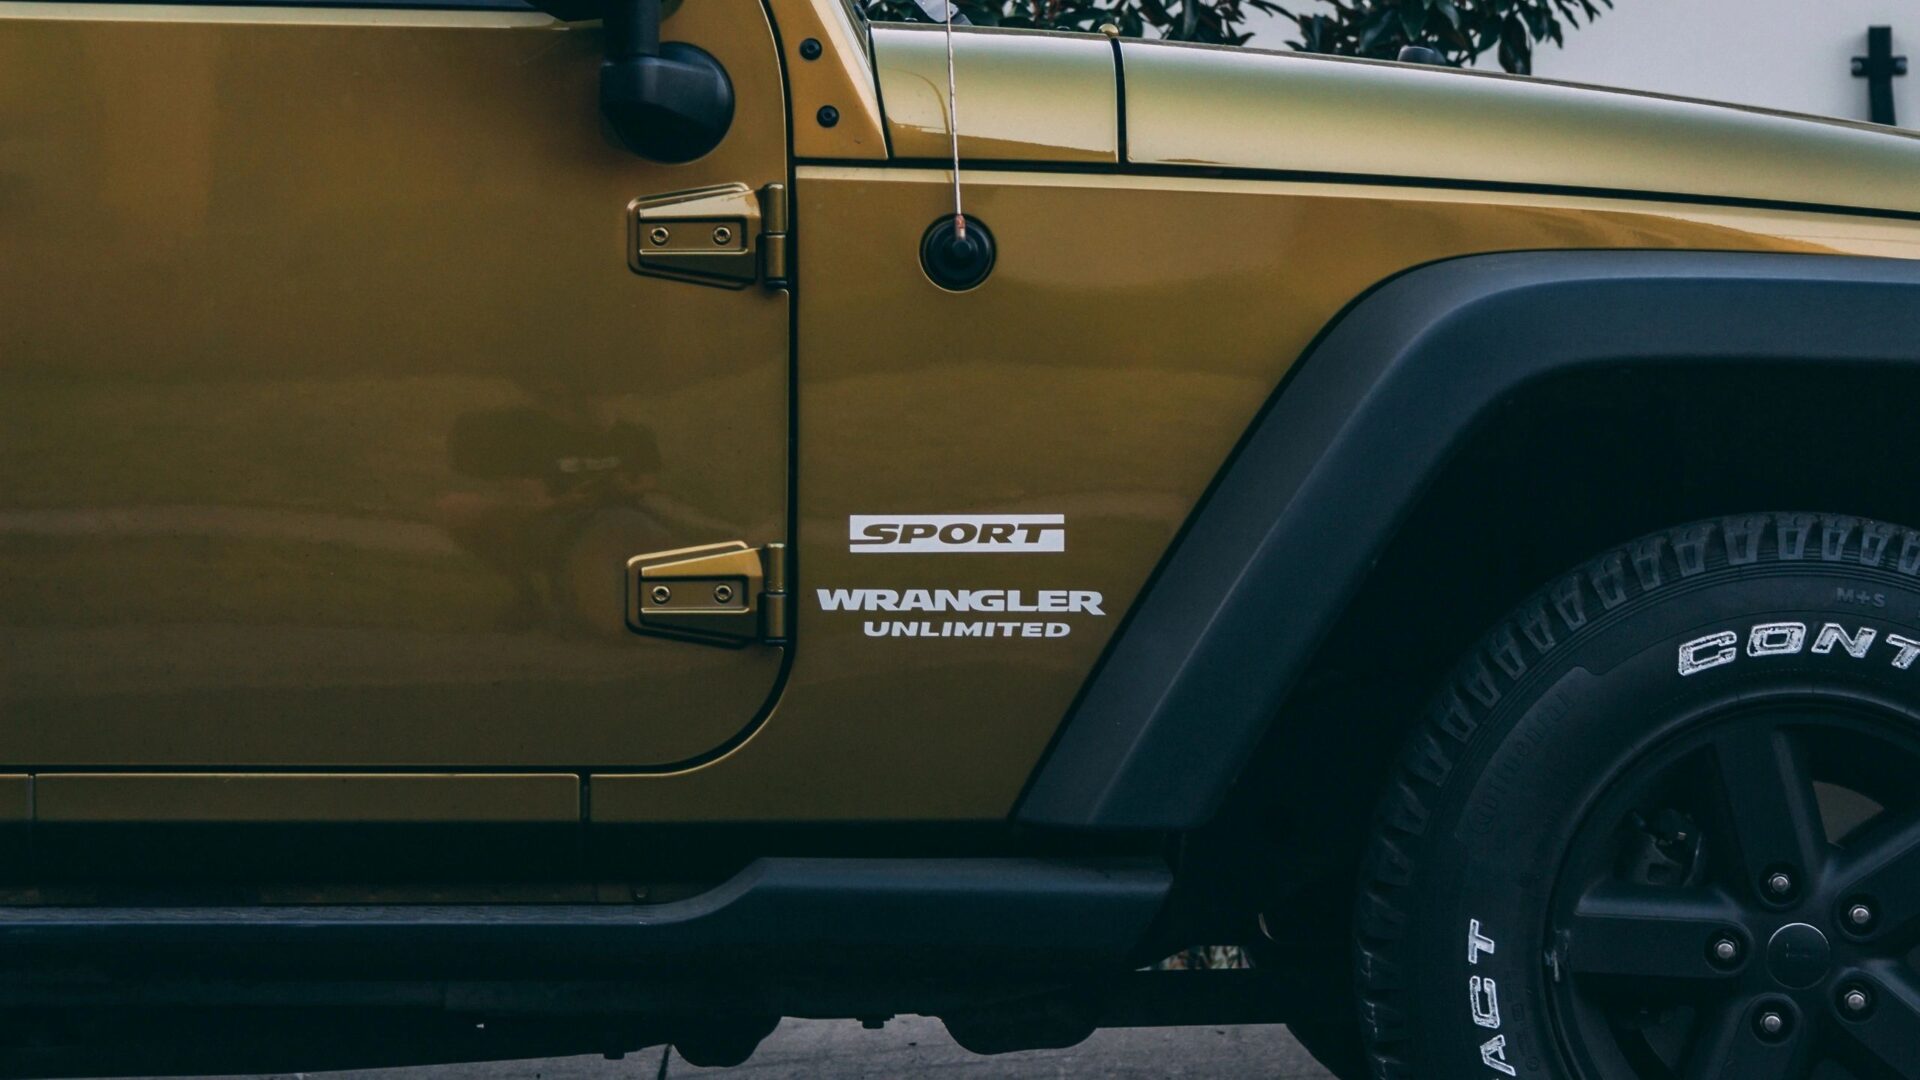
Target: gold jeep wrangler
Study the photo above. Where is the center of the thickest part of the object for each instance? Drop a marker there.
(540, 531)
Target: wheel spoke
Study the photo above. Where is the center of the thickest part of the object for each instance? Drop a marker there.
(1772, 815)
(1729, 1047)
(1890, 1034)
(1649, 932)
(1885, 869)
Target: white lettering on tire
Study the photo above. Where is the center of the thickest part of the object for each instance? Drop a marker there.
(1485, 998)
(1692, 660)
(1908, 647)
(1477, 942)
(1776, 639)
(1722, 647)
(1833, 634)
(1493, 1054)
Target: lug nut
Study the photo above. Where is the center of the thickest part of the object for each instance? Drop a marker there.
(662, 594)
(1725, 950)
(1771, 1024)
(1855, 1001)
(1780, 884)
(1860, 915)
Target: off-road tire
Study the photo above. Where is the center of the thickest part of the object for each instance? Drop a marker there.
(1573, 687)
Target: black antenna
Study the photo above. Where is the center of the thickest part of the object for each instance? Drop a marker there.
(953, 131)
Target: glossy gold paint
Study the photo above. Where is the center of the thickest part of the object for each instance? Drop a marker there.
(1024, 95)
(1101, 372)
(1192, 105)
(262, 262)
(16, 798)
(330, 410)
(378, 798)
(841, 77)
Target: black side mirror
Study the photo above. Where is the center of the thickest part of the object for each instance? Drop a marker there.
(667, 103)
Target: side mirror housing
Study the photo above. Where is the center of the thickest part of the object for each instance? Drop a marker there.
(668, 103)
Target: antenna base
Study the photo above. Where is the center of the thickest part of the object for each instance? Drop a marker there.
(954, 262)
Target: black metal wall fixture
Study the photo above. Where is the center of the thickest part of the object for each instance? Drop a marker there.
(1879, 67)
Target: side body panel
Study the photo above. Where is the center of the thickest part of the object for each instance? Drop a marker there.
(1200, 106)
(403, 242)
(330, 411)
(1132, 330)
(836, 76)
(1304, 510)
(1029, 96)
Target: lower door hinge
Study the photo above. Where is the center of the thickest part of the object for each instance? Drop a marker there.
(727, 235)
(722, 594)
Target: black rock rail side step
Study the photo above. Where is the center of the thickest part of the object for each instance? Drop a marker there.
(787, 914)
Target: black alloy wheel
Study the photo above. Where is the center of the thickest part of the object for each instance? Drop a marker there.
(1663, 823)
(1744, 902)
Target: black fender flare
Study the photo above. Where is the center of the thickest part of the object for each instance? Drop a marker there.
(1323, 479)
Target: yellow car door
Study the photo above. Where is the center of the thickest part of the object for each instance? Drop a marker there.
(354, 376)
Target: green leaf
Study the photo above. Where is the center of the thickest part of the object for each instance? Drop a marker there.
(1413, 20)
(1463, 29)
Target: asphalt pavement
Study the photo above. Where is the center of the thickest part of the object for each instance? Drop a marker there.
(913, 1046)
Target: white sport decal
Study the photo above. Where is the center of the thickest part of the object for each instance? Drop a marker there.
(1723, 647)
(879, 534)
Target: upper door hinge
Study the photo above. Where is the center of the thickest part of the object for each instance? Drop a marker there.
(726, 235)
(724, 594)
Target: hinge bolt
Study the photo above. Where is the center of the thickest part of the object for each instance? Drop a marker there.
(662, 594)
(722, 594)
(659, 235)
(723, 235)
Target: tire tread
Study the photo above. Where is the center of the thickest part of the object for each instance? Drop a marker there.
(1543, 625)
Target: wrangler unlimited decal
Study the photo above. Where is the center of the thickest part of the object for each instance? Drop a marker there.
(976, 601)
(996, 601)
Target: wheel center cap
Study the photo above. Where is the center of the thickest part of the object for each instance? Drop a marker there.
(1798, 955)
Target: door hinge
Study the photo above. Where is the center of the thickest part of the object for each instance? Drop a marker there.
(726, 235)
(773, 236)
(723, 594)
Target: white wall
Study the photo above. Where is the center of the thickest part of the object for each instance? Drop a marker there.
(1782, 54)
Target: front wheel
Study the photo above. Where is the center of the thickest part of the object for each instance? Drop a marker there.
(1664, 823)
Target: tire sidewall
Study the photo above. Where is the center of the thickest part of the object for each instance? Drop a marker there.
(1547, 748)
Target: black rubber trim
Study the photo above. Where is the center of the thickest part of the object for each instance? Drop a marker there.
(1325, 476)
(808, 914)
(1381, 180)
